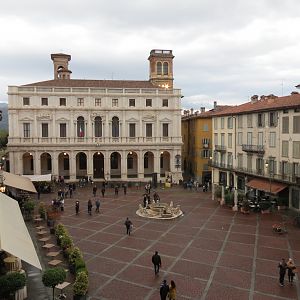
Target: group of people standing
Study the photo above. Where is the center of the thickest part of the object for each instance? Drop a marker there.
(290, 268)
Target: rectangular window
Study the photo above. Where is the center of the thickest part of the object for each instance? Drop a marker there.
(62, 101)
(205, 127)
(240, 121)
(285, 124)
(249, 138)
(149, 102)
(80, 102)
(260, 120)
(229, 159)
(26, 101)
(249, 162)
(260, 166)
(45, 130)
(296, 124)
(222, 123)
(114, 102)
(63, 130)
(165, 102)
(98, 102)
(273, 119)
(165, 130)
(285, 148)
(249, 121)
(285, 111)
(215, 123)
(240, 138)
(26, 130)
(260, 138)
(229, 122)
(272, 139)
(222, 139)
(132, 102)
(229, 140)
(205, 153)
(271, 166)
(149, 130)
(132, 130)
(296, 149)
(205, 142)
(240, 160)
(44, 101)
(216, 139)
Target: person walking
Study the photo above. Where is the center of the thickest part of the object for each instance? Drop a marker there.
(164, 290)
(116, 190)
(156, 260)
(70, 190)
(291, 270)
(103, 191)
(282, 270)
(77, 207)
(172, 290)
(125, 189)
(94, 190)
(90, 205)
(128, 225)
(98, 205)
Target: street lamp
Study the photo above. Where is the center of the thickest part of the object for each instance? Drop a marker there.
(267, 164)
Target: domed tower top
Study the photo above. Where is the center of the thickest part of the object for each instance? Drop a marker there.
(61, 64)
(161, 68)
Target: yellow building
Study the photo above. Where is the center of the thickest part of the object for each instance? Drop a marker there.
(197, 149)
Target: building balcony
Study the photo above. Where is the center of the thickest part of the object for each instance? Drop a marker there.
(220, 148)
(253, 148)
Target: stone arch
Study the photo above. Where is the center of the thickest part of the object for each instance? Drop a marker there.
(148, 164)
(165, 159)
(98, 165)
(80, 127)
(64, 165)
(28, 164)
(46, 163)
(132, 165)
(115, 165)
(81, 165)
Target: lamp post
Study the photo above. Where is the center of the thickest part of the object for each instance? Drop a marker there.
(267, 164)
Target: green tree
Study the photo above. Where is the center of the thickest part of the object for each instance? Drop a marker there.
(53, 277)
(10, 283)
(3, 138)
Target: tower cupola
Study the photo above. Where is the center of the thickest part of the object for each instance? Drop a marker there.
(61, 65)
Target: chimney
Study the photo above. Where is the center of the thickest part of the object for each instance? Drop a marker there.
(61, 65)
(294, 93)
(192, 111)
(202, 109)
(254, 98)
(215, 104)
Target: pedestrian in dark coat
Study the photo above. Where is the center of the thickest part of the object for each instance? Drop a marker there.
(282, 270)
(128, 225)
(103, 191)
(291, 270)
(90, 205)
(125, 189)
(97, 205)
(164, 290)
(77, 207)
(156, 260)
(116, 190)
(94, 190)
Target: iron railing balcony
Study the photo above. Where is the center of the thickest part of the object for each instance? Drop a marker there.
(220, 148)
(253, 148)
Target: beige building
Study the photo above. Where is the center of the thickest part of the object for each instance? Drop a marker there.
(112, 129)
(256, 149)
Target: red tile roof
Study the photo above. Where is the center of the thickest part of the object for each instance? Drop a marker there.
(264, 104)
(206, 114)
(94, 83)
(265, 185)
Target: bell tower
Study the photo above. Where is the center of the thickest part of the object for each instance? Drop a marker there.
(61, 65)
(161, 68)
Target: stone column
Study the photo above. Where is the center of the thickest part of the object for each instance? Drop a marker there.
(89, 162)
(212, 185)
(235, 207)
(54, 159)
(107, 165)
(37, 163)
(72, 164)
(156, 167)
(124, 166)
(140, 166)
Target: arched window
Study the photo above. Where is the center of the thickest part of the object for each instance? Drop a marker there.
(159, 68)
(115, 127)
(98, 127)
(166, 68)
(80, 127)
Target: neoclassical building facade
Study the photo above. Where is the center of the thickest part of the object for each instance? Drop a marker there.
(106, 129)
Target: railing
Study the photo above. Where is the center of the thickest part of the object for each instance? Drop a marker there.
(253, 148)
(220, 148)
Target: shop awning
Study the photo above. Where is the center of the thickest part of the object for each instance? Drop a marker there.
(36, 178)
(266, 185)
(14, 236)
(18, 182)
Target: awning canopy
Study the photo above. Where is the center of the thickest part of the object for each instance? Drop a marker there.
(18, 182)
(35, 178)
(14, 236)
(267, 186)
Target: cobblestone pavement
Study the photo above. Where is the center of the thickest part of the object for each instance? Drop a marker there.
(211, 252)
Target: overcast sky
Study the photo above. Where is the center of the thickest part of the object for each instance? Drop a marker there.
(225, 50)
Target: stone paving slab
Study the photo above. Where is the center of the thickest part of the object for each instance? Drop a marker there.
(211, 252)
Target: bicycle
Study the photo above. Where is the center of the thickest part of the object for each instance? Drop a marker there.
(296, 221)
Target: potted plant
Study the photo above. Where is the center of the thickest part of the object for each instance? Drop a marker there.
(229, 198)
(80, 286)
(10, 283)
(80, 266)
(60, 231)
(42, 210)
(66, 242)
(74, 255)
(28, 209)
(53, 277)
